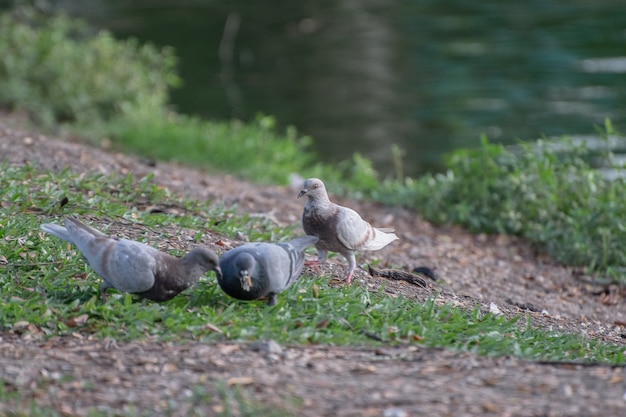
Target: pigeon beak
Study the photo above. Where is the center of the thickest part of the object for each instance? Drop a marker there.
(302, 192)
(246, 280)
(218, 273)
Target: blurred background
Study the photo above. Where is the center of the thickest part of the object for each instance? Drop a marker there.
(361, 76)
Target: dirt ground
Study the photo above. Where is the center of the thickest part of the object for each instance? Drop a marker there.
(159, 378)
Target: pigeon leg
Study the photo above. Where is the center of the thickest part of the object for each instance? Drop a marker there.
(351, 266)
(322, 256)
(104, 286)
(273, 299)
(103, 294)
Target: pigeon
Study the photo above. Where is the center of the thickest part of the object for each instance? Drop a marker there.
(261, 269)
(135, 267)
(340, 229)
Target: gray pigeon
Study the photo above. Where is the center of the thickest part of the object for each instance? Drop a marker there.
(135, 267)
(261, 269)
(339, 228)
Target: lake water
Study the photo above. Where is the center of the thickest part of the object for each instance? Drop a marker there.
(362, 75)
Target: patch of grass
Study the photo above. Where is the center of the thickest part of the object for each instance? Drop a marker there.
(250, 150)
(46, 286)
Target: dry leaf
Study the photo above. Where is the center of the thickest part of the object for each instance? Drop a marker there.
(76, 321)
(213, 328)
(322, 324)
(20, 325)
(239, 380)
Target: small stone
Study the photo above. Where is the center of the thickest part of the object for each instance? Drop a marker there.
(394, 412)
(267, 346)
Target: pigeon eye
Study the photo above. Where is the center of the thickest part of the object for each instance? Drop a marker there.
(315, 186)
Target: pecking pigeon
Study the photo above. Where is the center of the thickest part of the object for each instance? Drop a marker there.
(340, 229)
(135, 267)
(261, 269)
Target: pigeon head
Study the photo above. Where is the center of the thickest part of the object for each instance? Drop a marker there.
(204, 259)
(245, 264)
(314, 189)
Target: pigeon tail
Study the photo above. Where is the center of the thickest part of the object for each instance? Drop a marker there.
(303, 242)
(58, 231)
(380, 239)
(81, 231)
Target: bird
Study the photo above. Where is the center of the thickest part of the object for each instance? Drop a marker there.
(262, 269)
(340, 229)
(135, 267)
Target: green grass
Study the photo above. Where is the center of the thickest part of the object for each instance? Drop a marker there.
(46, 284)
(251, 150)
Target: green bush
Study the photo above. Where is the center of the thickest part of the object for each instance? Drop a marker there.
(58, 71)
(549, 193)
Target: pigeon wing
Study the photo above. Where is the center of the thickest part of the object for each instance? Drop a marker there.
(130, 266)
(352, 231)
(275, 266)
(357, 234)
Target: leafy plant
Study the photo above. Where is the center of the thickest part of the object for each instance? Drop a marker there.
(549, 192)
(58, 70)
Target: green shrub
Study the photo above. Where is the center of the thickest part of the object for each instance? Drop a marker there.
(549, 193)
(58, 71)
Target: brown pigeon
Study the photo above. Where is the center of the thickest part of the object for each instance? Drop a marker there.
(339, 229)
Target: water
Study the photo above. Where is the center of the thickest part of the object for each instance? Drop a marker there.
(360, 76)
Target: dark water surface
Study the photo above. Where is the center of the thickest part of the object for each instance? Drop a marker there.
(428, 76)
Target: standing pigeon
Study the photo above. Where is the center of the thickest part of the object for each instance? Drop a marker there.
(135, 267)
(256, 270)
(340, 229)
